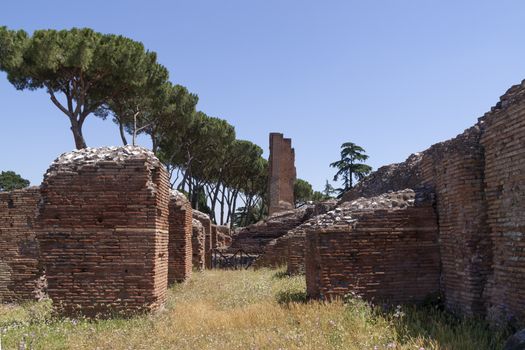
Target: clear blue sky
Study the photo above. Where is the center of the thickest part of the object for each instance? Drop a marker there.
(391, 76)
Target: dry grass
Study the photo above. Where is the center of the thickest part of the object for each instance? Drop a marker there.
(247, 310)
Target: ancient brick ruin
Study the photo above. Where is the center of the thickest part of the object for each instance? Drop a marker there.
(224, 238)
(107, 235)
(477, 179)
(282, 174)
(104, 231)
(197, 244)
(503, 135)
(454, 169)
(254, 238)
(20, 276)
(385, 249)
(271, 238)
(180, 238)
(205, 240)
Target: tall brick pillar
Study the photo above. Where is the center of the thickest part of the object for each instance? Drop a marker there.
(205, 221)
(104, 236)
(180, 241)
(282, 174)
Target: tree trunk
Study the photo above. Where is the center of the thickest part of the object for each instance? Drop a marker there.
(234, 207)
(154, 144)
(222, 205)
(122, 134)
(76, 128)
(134, 129)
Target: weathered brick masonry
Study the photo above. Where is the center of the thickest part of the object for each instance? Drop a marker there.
(20, 278)
(180, 238)
(224, 238)
(198, 245)
(388, 253)
(104, 237)
(254, 238)
(504, 142)
(270, 238)
(275, 253)
(282, 174)
(295, 254)
(454, 169)
(478, 181)
(205, 220)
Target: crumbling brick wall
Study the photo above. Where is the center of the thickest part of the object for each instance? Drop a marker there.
(205, 220)
(282, 174)
(198, 245)
(295, 254)
(224, 238)
(253, 238)
(214, 238)
(180, 238)
(392, 177)
(20, 278)
(455, 169)
(388, 253)
(503, 141)
(275, 253)
(104, 236)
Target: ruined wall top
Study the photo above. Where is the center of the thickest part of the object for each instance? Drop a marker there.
(196, 224)
(200, 215)
(282, 174)
(72, 161)
(179, 197)
(392, 177)
(348, 213)
(512, 96)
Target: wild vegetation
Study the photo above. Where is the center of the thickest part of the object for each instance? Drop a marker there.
(9, 180)
(262, 309)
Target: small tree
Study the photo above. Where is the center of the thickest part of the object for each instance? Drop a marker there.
(302, 192)
(350, 165)
(319, 196)
(9, 180)
(328, 190)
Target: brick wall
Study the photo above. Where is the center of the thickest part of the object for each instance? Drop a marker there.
(205, 220)
(213, 241)
(295, 255)
(104, 236)
(253, 238)
(198, 245)
(455, 169)
(388, 253)
(180, 238)
(503, 140)
(275, 253)
(224, 238)
(20, 278)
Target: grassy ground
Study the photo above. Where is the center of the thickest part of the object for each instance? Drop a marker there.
(247, 310)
